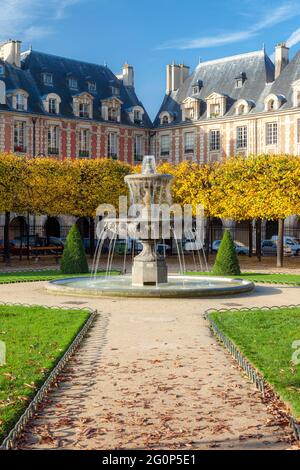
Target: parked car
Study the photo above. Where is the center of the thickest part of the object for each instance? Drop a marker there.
(269, 247)
(240, 248)
(292, 242)
(193, 245)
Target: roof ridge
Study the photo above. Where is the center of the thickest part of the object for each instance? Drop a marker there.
(233, 57)
(30, 51)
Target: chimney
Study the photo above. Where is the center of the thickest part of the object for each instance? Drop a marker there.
(10, 51)
(176, 75)
(281, 58)
(128, 75)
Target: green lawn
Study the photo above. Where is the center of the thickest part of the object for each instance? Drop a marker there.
(38, 276)
(35, 339)
(266, 339)
(293, 279)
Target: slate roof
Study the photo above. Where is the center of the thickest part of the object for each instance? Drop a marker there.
(30, 78)
(283, 84)
(220, 76)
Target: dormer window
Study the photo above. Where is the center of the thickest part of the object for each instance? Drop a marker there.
(48, 79)
(73, 83)
(296, 94)
(92, 87)
(166, 118)
(52, 103)
(196, 87)
(273, 102)
(20, 100)
(115, 91)
(216, 105)
(83, 106)
(240, 80)
(111, 109)
(137, 116)
(243, 106)
(190, 108)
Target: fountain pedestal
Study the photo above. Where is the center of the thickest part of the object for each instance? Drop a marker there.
(148, 268)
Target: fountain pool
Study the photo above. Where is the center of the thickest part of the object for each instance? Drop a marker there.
(150, 276)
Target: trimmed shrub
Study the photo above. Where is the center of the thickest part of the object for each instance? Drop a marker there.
(74, 259)
(227, 263)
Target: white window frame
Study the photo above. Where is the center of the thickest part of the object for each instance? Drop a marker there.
(53, 140)
(138, 147)
(73, 83)
(84, 143)
(271, 133)
(112, 145)
(20, 136)
(214, 140)
(165, 142)
(48, 79)
(241, 137)
(21, 102)
(189, 142)
(92, 86)
(52, 105)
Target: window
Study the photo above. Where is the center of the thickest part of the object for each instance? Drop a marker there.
(92, 87)
(48, 79)
(53, 140)
(20, 136)
(189, 142)
(84, 110)
(165, 120)
(52, 106)
(298, 131)
(112, 145)
(214, 140)
(242, 138)
(215, 110)
(138, 148)
(112, 114)
(20, 102)
(2, 70)
(165, 145)
(137, 116)
(271, 133)
(73, 84)
(239, 83)
(84, 143)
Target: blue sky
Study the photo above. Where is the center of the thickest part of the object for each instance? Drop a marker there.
(150, 34)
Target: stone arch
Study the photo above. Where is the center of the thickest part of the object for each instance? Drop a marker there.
(83, 226)
(17, 228)
(52, 227)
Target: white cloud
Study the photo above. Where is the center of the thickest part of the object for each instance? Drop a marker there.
(282, 13)
(25, 19)
(294, 38)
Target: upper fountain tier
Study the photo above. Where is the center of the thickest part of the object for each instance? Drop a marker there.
(150, 187)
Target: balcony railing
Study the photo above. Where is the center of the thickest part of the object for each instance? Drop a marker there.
(84, 154)
(20, 148)
(53, 151)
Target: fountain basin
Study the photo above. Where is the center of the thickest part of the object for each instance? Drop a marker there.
(177, 287)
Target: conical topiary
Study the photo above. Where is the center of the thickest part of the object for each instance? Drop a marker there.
(227, 263)
(74, 259)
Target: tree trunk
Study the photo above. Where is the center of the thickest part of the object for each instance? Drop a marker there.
(280, 243)
(250, 239)
(207, 236)
(258, 239)
(92, 237)
(6, 254)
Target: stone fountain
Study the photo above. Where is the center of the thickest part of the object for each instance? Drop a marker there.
(147, 189)
(149, 270)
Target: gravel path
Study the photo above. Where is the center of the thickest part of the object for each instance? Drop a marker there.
(151, 376)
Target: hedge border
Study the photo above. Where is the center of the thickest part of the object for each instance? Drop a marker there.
(253, 374)
(9, 442)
